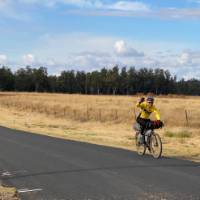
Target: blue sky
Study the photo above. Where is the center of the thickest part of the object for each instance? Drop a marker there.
(90, 34)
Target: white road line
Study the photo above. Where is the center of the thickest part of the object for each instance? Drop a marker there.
(6, 174)
(25, 190)
(13, 173)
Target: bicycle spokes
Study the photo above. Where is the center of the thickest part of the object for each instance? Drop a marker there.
(156, 145)
(141, 147)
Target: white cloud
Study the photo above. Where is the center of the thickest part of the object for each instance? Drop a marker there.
(8, 9)
(90, 62)
(194, 1)
(61, 46)
(76, 3)
(178, 13)
(3, 59)
(28, 59)
(84, 50)
(5, 6)
(121, 8)
(184, 58)
(81, 51)
(3, 3)
(164, 14)
(78, 51)
(128, 6)
(93, 4)
(137, 9)
(189, 58)
(122, 49)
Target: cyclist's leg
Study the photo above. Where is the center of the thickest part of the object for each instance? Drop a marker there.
(143, 124)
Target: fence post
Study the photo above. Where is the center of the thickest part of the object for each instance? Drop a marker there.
(64, 112)
(74, 114)
(87, 114)
(116, 114)
(54, 111)
(186, 117)
(99, 114)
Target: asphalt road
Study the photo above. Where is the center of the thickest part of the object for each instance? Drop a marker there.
(45, 168)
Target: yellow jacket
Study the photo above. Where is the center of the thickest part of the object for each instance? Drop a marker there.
(147, 110)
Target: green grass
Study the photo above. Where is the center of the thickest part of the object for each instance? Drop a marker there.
(169, 134)
(184, 134)
(180, 134)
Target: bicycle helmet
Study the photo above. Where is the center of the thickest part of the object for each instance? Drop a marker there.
(150, 99)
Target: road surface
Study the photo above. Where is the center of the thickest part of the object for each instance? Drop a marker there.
(45, 168)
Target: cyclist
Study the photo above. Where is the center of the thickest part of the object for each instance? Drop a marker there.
(147, 107)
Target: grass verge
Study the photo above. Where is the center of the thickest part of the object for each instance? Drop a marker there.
(8, 193)
(179, 134)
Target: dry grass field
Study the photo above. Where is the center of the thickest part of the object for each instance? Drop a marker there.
(104, 120)
(8, 193)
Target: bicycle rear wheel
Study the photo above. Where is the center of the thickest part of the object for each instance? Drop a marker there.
(141, 148)
(156, 145)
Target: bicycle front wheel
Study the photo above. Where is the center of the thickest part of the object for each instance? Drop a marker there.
(141, 148)
(156, 145)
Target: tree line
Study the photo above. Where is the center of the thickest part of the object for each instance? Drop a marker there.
(125, 81)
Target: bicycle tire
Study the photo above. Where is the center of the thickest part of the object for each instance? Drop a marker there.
(156, 144)
(141, 148)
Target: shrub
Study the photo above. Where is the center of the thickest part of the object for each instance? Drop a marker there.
(169, 134)
(180, 134)
(184, 134)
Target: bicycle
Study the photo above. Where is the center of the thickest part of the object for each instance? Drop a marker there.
(152, 142)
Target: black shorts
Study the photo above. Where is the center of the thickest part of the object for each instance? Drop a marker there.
(145, 123)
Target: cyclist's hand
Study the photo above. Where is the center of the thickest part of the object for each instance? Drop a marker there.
(160, 123)
(141, 100)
